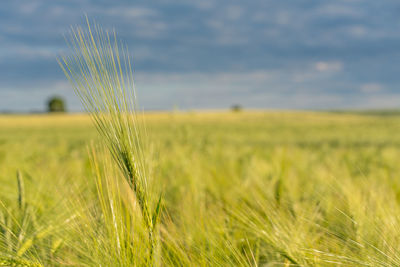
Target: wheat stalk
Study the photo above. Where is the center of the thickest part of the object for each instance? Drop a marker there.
(100, 71)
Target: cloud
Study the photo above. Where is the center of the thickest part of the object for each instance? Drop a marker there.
(329, 66)
(204, 4)
(234, 12)
(28, 52)
(371, 88)
(340, 10)
(358, 31)
(29, 7)
(130, 12)
(283, 18)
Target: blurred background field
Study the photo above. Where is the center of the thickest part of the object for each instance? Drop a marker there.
(28, 140)
(239, 187)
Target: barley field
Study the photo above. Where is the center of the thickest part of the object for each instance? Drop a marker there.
(247, 188)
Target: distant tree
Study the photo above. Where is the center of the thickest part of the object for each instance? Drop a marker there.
(56, 104)
(236, 108)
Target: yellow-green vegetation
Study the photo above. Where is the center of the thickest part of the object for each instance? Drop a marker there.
(239, 188)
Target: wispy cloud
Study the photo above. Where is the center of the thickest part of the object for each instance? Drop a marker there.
(341, 9)
(130, 12)
(29, 7)
(329, 66)
(28, 52)
(371, 88)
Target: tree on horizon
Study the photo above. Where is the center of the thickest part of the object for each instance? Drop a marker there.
(56, 104)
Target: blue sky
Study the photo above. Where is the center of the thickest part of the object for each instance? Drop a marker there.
(215, 53)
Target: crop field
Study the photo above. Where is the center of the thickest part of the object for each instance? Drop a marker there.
(238, 189)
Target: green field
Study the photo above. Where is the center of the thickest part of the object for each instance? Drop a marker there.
(239, 188)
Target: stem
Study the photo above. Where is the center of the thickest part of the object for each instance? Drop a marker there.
(141, 198)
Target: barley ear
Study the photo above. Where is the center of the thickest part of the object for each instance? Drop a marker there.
(21, 191)
(156, 214)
